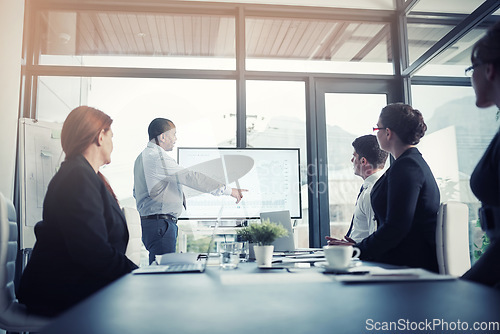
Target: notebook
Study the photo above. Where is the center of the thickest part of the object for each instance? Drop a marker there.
(283, 244)
(194, 267)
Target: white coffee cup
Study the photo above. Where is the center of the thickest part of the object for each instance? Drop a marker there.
(340, 256)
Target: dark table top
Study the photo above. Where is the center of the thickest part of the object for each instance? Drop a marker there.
(252, 300)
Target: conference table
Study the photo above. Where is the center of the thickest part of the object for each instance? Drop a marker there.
(294, 300)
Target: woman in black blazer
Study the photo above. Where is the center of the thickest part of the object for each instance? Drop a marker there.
(81, 241)
(405, 199)
(485, 180)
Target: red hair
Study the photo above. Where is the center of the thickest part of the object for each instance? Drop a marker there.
(81, 129)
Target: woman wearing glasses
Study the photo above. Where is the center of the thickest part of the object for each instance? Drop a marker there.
(81, 241)
(405, 199)
(485, 180)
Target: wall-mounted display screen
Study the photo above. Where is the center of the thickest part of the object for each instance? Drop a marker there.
(271, 176)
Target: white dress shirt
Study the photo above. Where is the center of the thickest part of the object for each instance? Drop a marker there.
(158, 181)
(364, 222)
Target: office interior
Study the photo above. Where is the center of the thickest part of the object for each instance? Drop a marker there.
(303, 74)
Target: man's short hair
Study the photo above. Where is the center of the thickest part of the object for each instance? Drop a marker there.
(159, 126)
(367, 146)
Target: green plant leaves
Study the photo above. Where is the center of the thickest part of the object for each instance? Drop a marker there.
(262, 234)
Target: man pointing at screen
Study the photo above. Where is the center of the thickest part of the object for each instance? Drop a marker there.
(158, 181)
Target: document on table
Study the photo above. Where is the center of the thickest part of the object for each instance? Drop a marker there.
(377, 274)
(300, 258)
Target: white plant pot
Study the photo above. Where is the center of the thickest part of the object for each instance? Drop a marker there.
(263, 255)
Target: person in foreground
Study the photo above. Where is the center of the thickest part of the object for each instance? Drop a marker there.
(368, 162)
(485, 180)
(405, 199)
(81, 241)
(158, 182)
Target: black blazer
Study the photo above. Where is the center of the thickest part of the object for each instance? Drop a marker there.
(485, 183)
(405, 201)
(80, 244)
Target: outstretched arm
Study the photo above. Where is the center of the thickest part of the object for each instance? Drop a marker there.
(237, 193)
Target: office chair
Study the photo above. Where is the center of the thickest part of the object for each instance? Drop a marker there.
(14, 316)
(134, 245)
(452, 238)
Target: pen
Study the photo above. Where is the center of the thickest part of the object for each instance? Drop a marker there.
(394, 275)
(346, 272)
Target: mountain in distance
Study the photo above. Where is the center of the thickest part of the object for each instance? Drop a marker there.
(474, 129)
(284, 131)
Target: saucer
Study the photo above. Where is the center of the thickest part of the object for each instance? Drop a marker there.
(324, 264)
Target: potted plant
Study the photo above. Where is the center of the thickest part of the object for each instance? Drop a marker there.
(262, 236)
(484, 240)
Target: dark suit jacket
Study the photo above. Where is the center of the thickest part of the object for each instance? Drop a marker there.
(485, 183)
(81, 241)
(405, 201)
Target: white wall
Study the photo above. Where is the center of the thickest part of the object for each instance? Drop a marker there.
(11, 36)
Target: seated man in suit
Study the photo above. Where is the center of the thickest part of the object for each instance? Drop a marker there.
(368, 162)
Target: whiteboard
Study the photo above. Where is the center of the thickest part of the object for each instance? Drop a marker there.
(271, 176)
(40, 156)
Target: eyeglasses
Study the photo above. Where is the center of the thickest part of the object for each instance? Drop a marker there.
(376, 129)
(469, 70)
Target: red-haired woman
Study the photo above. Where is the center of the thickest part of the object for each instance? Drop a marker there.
(82, 238)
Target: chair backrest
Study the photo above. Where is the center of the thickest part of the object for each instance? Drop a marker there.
(452, 238)
(134, 245)
(13, 316)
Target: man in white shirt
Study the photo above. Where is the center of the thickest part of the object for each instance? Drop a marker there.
(158, 181)
(368, 162)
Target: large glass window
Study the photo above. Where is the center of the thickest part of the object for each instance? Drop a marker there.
(447, 6)
(428, 24)
(200, 109)
(300, 45)
(457, 136)
(421, 37)
(348, 116)
(453, 60)
(57, 96)
(133, 103)
(276, 117)
(137, 39)
(360, 4)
